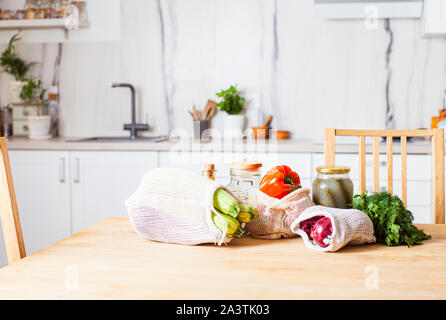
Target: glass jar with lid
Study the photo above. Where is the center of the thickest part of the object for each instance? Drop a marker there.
(245, 179)
(45, 7)
(7, 15)
(39, 10)
(30, 9)
(55, 9)
(333, 187)
(20, 15)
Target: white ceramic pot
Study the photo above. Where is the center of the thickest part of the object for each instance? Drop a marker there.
(39, 127)
(234, 126)
(15, 88)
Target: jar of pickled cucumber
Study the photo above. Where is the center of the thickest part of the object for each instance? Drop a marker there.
(333, 187)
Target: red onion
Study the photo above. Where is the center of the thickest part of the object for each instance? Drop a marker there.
(321, 232)
(308, 224)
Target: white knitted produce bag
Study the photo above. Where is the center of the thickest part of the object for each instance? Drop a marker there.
(175, 206)
(276, 215)
(349, 227)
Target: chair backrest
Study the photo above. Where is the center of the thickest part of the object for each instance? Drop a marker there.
(437, 141)
(9, 215)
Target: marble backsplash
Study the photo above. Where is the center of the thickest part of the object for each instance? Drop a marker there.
(307, 72)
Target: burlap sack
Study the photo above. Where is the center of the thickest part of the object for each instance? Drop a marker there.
(175, 206)
(277, 215)
(349, 227)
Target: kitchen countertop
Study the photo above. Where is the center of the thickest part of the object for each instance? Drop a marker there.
(189, 145)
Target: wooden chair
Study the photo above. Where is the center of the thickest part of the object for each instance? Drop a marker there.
(437, 141)
(9, 215)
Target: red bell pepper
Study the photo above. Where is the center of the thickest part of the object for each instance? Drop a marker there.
(279, 182)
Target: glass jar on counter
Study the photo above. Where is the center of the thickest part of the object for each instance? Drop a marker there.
(245, 180)
(333, 187)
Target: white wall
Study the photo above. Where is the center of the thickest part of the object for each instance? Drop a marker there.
(309, 73)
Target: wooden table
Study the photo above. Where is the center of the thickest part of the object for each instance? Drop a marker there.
(110, 261)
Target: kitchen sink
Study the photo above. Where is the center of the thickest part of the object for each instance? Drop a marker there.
(122, 139)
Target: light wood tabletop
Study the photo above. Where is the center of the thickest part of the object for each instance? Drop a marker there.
(110, 261)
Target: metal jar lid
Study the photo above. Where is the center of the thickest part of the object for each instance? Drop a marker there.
(340, 169)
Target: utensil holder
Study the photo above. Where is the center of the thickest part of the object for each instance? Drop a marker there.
(200, 126)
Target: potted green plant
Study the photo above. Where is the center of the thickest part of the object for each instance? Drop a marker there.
(32, 94)
(13, 65)
(232, 103)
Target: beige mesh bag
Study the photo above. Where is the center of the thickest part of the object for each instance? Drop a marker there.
(277, 215)
(175, 206)
(351, 227)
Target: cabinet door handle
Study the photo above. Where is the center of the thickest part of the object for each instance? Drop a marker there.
(76, 163)
(62, 170)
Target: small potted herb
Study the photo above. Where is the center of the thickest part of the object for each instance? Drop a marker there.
(32, 94)
(16, 67)
(232, 103)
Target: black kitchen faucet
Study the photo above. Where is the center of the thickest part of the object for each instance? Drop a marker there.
(132, 127)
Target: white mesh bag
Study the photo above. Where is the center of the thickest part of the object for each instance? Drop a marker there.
(175, 206)
(276, 215)
(351, 227)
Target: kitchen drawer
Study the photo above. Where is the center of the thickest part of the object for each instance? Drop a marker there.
(22, 113)
(419, 167)
(20, 128)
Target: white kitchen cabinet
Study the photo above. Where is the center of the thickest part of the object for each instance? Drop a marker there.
(41, 181)
(102, 181)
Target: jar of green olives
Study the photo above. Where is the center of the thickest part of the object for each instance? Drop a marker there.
(333, 187)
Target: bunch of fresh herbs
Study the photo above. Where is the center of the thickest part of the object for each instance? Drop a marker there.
(11, 63)
(231, 101)
(392, 222)
(32, 91)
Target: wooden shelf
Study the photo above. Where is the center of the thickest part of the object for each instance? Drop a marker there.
(38, 24)
(33, 24)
